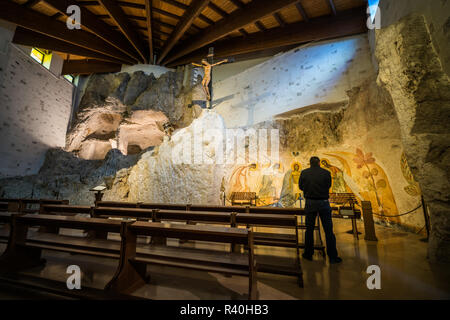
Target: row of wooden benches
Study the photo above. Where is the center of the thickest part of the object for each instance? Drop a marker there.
(25, 248)
(231, 216)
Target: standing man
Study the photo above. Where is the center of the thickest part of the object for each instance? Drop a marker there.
(315, 183)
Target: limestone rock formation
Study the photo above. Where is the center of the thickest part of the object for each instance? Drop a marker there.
(410, 70)
(129, 113)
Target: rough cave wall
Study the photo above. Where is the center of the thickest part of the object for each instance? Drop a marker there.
(437, 16)
(411, 71)
(129, 112)
(358, 140)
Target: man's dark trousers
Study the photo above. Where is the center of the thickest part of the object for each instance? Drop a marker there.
(321, 207)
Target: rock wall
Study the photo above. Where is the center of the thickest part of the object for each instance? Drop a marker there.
(410, 70)
(359, 141)
(129, 113)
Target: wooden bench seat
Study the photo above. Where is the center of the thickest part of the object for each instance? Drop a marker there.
(213, 208)
(131, 271)
(24, 249)
(3, 206)
(198, 259)
(81, 245)
(5, 220)
(195, 207)
(64, 209)
(23, 205)
(232, 219)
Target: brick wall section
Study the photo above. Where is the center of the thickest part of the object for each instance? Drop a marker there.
(35, 107)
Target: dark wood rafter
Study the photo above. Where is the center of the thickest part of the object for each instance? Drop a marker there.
(279, 19)
(237, 3)
(260, 26)
(332, 6)
(173, 16)
(76, 67)
(97, 27)
(57, 15)
(222, 13)
(139, 18)
(35, 39)
(174, 32)
(183, 6)
(121, 20)
(43, 24)
(194, 10)
(148, 13)
(251, 13)
(31, 3)
(243, 32)
(346, 23)
(302, 11)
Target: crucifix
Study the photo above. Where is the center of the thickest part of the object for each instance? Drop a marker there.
(207, 65)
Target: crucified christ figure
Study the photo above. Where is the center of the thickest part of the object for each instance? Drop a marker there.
(207, 77)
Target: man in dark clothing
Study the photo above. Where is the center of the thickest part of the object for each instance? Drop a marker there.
(315, 183)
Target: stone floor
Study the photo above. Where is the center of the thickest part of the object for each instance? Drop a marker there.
(401, 256)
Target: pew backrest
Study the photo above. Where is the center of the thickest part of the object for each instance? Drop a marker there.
(69, 222)
(208, 208)
(64, 209)
(189, 232)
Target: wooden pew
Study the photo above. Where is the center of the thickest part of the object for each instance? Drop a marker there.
(215, 216)
(209, 208)
(64, 210)
(3, 206)
(5, 220)
(131, 270)
(24, 250)
(231, 219)
(23, 205)
(319, 245)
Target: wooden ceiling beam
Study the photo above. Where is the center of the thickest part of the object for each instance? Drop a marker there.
(279, 19)
(243, 32)
(166, 13)
(148, 12)
(238, 4)
(30, 38)
(183, 6)
(35, 21)
(31, 3)
(217, 9)
(119, 17)
(332, 6)
(157, 10)
(194, 10)
(97, 27)
(346, 23)
(260, 26)
(248, 14)
(302, 11)
(173, 16)
(75, 67)
(120, 3)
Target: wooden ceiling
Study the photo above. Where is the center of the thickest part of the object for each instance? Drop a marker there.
(177, 32)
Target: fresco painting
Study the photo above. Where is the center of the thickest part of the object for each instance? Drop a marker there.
(356, 172)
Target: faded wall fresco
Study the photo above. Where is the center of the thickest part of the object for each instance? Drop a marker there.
(354, 172)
